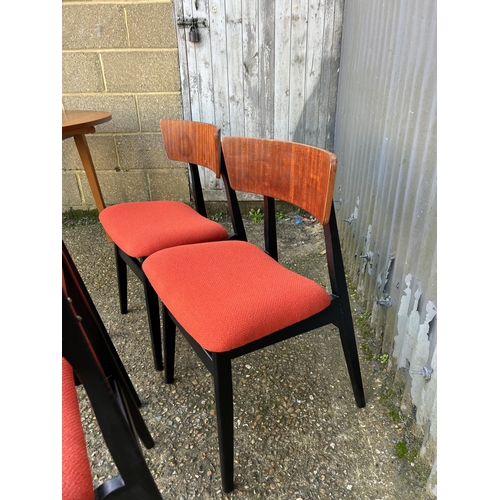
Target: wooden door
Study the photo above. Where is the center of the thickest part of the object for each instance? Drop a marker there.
(261, 68)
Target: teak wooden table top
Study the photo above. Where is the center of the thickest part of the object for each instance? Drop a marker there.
(74, 122)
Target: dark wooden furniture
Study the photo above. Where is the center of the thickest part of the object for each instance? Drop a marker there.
(95, 328)
(230, 298)
(87, 352)
(139, 229)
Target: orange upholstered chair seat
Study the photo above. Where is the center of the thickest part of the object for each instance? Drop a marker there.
(229, 293)
(76, 475)
(142, 228)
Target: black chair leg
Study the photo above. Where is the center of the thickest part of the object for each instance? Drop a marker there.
(169, 330)
(135, 418)
(352, 360)
(121, 273)
(153, 310)
(224, 407)
(345, 326)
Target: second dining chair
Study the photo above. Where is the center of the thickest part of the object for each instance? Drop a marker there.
(139, 229)
(231, 298)
(119, 423)
(90, 360)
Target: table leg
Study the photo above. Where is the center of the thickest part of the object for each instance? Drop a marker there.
(88, 166)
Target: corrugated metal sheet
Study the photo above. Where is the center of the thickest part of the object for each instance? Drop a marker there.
(385, 141)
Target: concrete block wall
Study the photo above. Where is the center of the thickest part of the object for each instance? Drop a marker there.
(121, 57)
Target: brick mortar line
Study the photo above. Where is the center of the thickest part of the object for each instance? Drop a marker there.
(116, 94)
(113, 134)
(126, 24)
(118, 156)
(121, 134)
(138, 113)
(116, 2)
(148, 184)
(80, 187)
(118, 49)
(103, 73)
(80, 172)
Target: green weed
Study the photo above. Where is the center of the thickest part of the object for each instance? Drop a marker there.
(384, 358)
(73, 218)
(394, 414)
(403, 451)
(218, 217)
(256, 215)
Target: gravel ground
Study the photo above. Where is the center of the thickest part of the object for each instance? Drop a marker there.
(298, 432)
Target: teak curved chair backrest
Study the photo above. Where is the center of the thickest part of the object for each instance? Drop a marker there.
(192, 142)
(251, 171)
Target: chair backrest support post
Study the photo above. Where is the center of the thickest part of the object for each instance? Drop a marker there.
(336, 269)
(199, 200)
(234, 207)
(271, 243)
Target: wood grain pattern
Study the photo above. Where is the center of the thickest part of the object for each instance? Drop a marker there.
(234, 34)
(296, 173)
(74, 121)
(192, 142)
(183, 61)
(262, 69)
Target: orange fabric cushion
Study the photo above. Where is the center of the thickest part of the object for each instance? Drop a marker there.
(76, 475)
(144, 227)
(230, 293)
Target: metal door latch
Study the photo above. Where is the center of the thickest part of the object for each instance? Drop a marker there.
(194, 23)
(426, 372)
(385, 301)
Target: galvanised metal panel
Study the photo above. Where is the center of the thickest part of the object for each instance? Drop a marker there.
(385, 195)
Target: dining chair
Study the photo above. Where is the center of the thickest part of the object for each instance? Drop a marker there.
(95, 329)
(139, 229)
(88, 363)
(231, 298)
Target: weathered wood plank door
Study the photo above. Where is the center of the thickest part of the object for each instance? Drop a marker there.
(261, 68)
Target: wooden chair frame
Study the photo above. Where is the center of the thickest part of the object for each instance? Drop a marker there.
(260, 166)
(95, 329)
(172, 131)
(98, 368)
